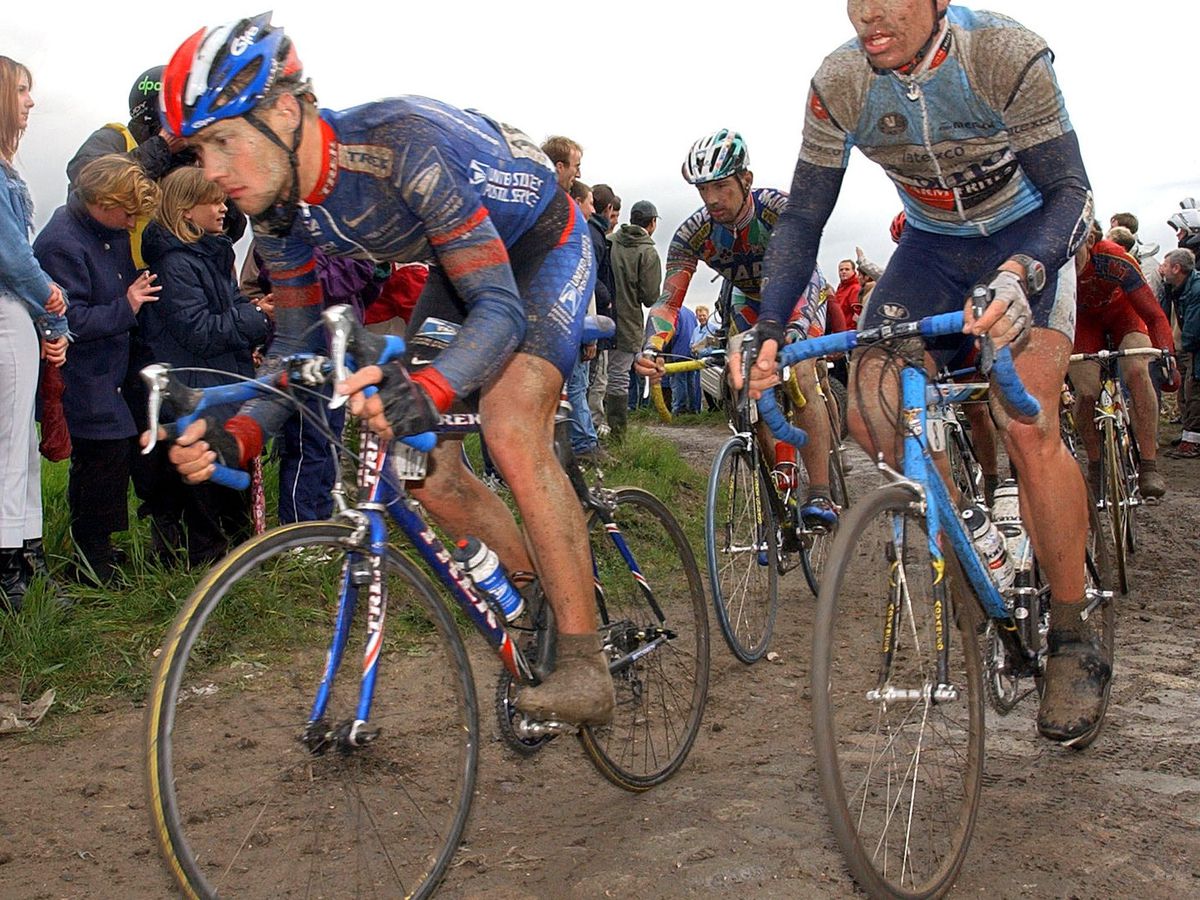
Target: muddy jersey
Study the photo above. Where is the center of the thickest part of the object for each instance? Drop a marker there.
(736, 254)
(947, 134)
(411, 179)
(976, 140)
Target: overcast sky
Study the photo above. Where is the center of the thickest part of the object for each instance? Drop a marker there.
(635, 83)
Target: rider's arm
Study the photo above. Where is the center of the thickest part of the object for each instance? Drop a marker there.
(791, 255)
(1146, 305)
(1047, 149)
(472, 255)
(681, 266)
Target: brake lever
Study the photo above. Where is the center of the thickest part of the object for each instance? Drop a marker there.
(155, 376)
(980, 298)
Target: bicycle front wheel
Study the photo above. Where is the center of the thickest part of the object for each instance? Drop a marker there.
(1115, 485)
(654, 629)
(245, 799)
(743, 551)
(899, 750)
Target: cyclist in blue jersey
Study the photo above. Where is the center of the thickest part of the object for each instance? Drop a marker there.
(963, 111)
(403, 180)
(730, 234)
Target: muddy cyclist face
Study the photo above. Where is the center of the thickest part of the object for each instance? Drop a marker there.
(892, 31)
(725, 199)
(249, 168)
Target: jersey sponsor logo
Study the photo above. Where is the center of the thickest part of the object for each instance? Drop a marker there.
(894, 311)
(437, 330)
(1036, 123)
(946, 153)
(892, 123)
(370, 159)
(988, 127)
(937, 197)
(507, 187)
(460, 419)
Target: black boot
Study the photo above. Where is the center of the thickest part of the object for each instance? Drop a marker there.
(616, 410)
(14, 578)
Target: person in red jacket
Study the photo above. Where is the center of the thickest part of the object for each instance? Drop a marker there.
(847, 293)
(1114, 304)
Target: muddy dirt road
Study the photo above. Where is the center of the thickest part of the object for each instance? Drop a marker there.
(743, 818)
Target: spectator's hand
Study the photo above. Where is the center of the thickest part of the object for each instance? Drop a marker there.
(55, 351)
(1008, 317)
(588, 351)
(56, 304)
(143, 290)
(267, 305)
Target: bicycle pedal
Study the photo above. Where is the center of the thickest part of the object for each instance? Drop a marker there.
(532, 729)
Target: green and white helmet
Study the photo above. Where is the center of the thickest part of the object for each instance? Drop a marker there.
(716, 156)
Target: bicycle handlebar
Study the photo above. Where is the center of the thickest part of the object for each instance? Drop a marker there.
(1002, 368)
(1114, 354)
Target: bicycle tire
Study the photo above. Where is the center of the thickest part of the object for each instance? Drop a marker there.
(279, 820)
(877, 752)
(1131, 456)
(742, 550)
(660, 666)
(1115, 501)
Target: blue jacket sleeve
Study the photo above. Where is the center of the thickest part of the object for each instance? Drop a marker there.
(91, 317)
(20, 273)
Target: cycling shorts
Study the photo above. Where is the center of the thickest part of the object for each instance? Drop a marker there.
(1113, 320)
(554, 267)
(930, 274)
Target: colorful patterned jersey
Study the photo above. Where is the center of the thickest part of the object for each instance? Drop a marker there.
(1112, 280)
(736, 254)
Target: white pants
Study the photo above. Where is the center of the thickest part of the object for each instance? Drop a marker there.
(20, 463)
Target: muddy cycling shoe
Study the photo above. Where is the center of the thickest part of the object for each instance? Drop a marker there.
(819, 512)
(1151, 483)
(580, 689)
(1077, 677)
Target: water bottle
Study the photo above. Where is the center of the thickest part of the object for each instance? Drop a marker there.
(786, 475)
(990, 545)
(482, 564)
(1006, 513)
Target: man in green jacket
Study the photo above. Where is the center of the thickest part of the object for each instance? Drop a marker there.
(1181, 286)
(637, 271)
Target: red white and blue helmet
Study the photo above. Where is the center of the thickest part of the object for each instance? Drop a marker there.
(716, 156)
(223, 72)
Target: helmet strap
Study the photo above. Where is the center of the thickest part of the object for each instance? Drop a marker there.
(278, 218)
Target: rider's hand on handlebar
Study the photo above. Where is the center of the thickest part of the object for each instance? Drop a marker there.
(191, 456)
(765, 373)
(1171, 377)
(400, 408)
(1008, 317)
(649, 364)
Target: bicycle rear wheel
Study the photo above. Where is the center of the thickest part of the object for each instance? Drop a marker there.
(657, 649)
(240, 805)
(900, 776)
(743, 551)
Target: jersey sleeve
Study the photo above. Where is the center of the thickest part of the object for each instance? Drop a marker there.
(681, 266)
